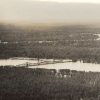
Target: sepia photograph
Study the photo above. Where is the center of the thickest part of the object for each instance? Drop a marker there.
(49, 49)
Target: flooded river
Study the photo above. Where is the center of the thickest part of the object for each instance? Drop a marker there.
(79, 66)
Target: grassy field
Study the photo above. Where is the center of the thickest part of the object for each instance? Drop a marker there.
(44, 84)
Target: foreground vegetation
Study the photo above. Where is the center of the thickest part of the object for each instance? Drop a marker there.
(45, 84)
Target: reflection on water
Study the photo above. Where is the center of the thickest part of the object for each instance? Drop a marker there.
(79, 66)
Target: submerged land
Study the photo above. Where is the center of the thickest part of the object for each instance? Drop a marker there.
(49, 41)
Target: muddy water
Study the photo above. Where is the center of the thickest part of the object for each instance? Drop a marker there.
(79, 66)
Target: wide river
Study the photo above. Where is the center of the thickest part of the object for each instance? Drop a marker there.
(79, 66)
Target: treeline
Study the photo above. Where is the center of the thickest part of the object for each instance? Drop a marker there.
(41, 84)
(36, 50)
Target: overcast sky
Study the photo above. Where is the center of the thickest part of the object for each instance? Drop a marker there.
(38, 11)
(81, 1)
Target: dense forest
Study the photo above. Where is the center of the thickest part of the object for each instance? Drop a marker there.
(76, 42)
(44, 84)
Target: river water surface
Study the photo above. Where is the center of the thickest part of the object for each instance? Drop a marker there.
(79, 66)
